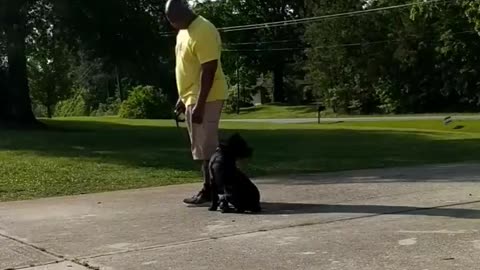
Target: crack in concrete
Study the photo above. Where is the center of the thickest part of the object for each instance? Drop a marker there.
(85, 264)
(74, 261)
(35, 265)
(306, 224)
(40, 249)
(57, 257)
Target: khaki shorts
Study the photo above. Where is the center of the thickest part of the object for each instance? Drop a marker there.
(204, 137)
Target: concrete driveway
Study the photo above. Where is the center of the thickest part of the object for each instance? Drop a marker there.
(410, 218)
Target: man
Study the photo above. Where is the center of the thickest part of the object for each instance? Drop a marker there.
(201, 85)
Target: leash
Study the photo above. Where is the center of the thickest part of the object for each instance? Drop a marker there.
(179, 120)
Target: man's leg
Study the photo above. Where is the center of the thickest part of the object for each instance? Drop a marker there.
(203, 196)
(206, 176)
(204, 139)
(194, 131)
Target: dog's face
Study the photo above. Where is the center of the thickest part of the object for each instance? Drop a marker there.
(239, 147)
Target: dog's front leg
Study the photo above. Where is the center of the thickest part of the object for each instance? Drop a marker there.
(224, 206)
(224, 201)
(213, 187)
(218, 175)
(215, 200)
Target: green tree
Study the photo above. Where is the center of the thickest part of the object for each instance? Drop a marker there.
(3, 66)
(472, 10)
(337, 70)
(455, 53)
(125, 34)
(423, 60)
(49, 60)
(50, 79)
(16, 104)
(126, 37)
(258, 49)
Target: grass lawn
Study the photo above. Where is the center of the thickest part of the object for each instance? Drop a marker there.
(87, 155)
(285, 112)
(274, 112)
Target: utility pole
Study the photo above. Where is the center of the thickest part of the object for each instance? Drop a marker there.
(119, 86)
(238, 87)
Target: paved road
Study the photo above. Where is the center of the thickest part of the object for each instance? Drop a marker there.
(352, 119)
(411, 218)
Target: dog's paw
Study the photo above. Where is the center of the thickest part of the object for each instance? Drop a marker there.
(256, 209)
(226, 210)
(213, 208)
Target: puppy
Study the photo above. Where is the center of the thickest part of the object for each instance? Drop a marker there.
(230, 186)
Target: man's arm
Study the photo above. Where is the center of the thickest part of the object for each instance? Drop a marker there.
(208, 76)
(208, 49)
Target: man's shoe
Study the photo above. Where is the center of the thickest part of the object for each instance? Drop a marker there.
(197, 200)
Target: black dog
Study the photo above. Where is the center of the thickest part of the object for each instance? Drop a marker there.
(229, 184)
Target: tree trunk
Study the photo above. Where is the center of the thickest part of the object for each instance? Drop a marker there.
(49, 111)
(3, 93)
(278, 83)
(18, 109)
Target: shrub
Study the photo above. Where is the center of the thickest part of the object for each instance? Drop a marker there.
(145, 102)
(384, 93)
(74, 106)
(231, 102)
(39, 110)
(110, 108)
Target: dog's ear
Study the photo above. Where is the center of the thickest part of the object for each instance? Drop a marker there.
(250, 152)
(235, 139)
(226, 139)
(236, 136)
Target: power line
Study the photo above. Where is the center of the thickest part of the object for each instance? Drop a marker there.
(267, 50)
(323, 17)
(357, 44)
(317, 18)
(262, 42)
(348, 44)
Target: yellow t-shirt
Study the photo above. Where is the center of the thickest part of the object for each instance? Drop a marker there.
(199, 44)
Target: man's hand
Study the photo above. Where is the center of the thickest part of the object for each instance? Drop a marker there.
(197, 113)
(180, 107)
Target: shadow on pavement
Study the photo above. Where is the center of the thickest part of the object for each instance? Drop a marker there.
(272, 208)
(441, 173)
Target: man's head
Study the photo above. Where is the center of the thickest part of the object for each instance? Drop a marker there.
(179, 14)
